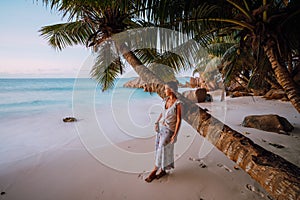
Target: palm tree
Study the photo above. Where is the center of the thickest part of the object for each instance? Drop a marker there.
(94, 24)
(269, 28)
(239, 66)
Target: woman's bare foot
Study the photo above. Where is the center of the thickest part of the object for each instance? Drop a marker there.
(161, 174)
(151, 177)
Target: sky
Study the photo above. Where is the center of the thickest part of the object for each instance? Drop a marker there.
(24, 53)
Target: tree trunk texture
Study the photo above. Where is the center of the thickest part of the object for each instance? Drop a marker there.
(280, 178)
(282, 75)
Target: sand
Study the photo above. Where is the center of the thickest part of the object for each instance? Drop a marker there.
(44, 158)
(233, 111)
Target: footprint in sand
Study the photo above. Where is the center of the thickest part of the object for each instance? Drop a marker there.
(142, 175)
(201, 162)
(224, 166)
(253, 189)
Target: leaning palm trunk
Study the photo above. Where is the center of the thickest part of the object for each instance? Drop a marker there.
(279, 177)
(282, 75)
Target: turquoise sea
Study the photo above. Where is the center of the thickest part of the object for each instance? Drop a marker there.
(23, 97)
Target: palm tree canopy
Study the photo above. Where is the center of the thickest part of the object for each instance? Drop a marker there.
(89, 22)
(93, 23)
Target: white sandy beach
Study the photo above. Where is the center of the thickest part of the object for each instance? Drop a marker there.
(44, 158)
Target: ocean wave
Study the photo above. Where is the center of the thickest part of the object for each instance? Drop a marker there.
(31, 103)
(27, 89)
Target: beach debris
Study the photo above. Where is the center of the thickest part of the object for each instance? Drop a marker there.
(70, 119)
(236, 167)
(224, 166)
(271, 123)
(246, 133)
(194, 159)
(279, 146)
(3, 193)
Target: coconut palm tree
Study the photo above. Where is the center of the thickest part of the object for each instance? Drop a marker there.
(268, 27)
(267, 30)
(94, 23)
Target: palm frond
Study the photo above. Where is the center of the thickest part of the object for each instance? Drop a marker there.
(147, 55)
(107, 66)
(260, 73)
(66, 34)
(218, 49)
(229, 63)
(170, 59)
(201, 65)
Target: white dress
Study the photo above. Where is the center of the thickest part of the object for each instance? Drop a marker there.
(164, 156)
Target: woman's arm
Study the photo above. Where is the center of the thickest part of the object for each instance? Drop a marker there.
(157, 122)
(158, 119)
(178, 122)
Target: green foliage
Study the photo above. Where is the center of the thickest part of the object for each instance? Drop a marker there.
(172, 60)
(163, 72)
(92, 23)
(67, 34)
(107, 66)
(250, 24)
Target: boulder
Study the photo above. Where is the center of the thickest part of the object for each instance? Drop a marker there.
(193, 82)
(201, 94)
(197, 96)
(70, 119)
(135, 83)
(271, 123)
(258, 92)
(275, 94)
(191, 95)
(239, 94)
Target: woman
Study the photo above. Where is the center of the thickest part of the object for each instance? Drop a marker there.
(167, 127)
